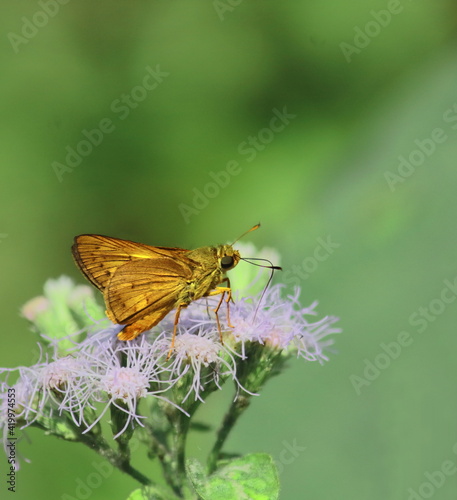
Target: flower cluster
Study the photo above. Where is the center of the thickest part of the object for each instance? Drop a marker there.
(84, 371)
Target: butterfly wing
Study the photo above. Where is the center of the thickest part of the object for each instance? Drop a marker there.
(99, 257)
(140, 284)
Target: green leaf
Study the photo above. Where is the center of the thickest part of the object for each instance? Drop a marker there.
(252, 477)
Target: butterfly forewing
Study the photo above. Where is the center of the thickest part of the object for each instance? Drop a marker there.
(99, 257)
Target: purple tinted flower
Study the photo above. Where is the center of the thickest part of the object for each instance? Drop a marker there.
(41, 388)
(269, 320)
(101, 370)
(202, 358)
(120, 374)
(34, 307)
(281, 322)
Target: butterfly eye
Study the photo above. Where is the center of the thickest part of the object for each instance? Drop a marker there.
(227, 262)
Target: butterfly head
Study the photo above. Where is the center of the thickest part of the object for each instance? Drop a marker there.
(227, 257)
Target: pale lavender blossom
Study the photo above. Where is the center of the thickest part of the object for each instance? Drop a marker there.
(120, 374)
(267, 319)
(85, 372)
(41, 388)
(282, 322)
(270, 319)
(202, 357)
(101, 370)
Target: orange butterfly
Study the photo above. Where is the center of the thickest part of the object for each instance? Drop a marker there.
(141, 284)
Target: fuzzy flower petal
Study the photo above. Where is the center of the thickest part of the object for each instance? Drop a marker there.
(201, 358)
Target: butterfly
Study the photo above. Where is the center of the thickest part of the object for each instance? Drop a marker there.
(141, 284)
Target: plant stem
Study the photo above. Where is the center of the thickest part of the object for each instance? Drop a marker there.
(174, 462)
(118, 460)
(159, 448)
(180, 438)
(97, 443)
(235, 411)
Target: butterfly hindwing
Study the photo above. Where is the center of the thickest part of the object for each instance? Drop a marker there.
(150, 284)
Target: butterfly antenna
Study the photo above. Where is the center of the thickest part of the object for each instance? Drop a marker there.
(248, 231)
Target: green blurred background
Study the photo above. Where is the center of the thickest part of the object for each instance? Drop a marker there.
(359, 103)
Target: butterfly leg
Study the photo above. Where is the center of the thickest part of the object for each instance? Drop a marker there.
(229, 299)
(222, 290)
(175, 329)
(207, 308)
(216, 312)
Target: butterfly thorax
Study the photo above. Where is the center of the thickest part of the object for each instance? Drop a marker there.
(213, 262)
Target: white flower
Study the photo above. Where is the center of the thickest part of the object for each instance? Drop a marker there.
(120, 374)
(202, 358)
